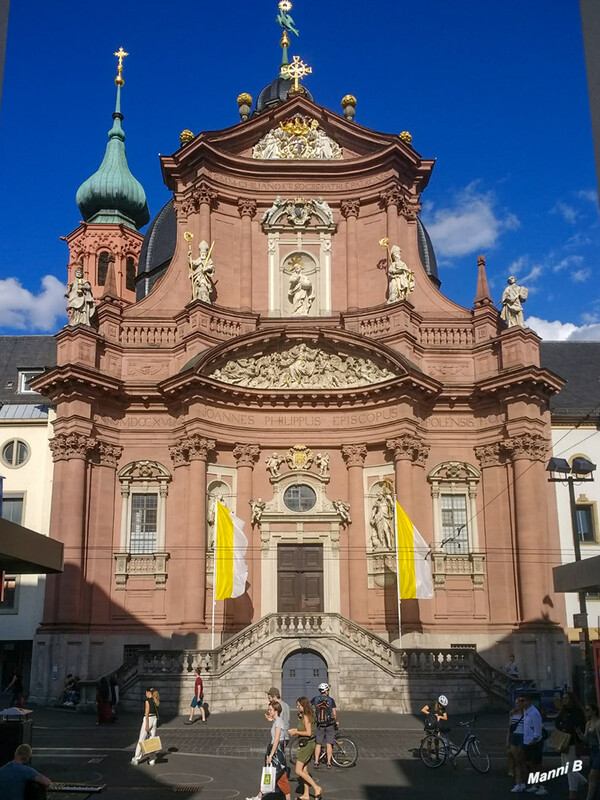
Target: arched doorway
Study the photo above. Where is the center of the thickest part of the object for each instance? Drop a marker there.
(302, 672)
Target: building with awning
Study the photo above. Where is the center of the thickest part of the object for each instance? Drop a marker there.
(25, 552)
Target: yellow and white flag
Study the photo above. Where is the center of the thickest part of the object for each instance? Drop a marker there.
(231, 570)
(411, 551)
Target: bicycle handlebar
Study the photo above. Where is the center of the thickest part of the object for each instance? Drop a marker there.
(468, 722)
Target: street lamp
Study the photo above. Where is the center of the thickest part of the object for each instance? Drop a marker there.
(579, 471)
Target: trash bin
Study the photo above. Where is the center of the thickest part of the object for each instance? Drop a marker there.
(16, 726)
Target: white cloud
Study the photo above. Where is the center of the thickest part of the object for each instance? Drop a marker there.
(581, 275)
(567, 212)
(23, 310)
(568, 261)
(588, 194)
(469, 225)
(557, 331)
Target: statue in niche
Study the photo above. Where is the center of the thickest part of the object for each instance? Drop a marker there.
(80, 300)
(202, 270)
(274, 463)
(322, 464)
(513, 298)
(382, 521)
(300, 291)
(343, 509)
(257, 506)
(401, 279)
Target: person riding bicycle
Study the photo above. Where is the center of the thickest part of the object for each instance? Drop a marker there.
(326, 722)
(436, 713)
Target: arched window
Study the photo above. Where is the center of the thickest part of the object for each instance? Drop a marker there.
(104, 258)
(130, 274)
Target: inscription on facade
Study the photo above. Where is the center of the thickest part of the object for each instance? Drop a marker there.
(278, 186)
(455, 422)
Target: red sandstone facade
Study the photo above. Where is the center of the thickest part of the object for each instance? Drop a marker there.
(463, 412)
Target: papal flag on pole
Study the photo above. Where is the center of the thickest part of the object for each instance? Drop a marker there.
(411, 551)
(231, 544)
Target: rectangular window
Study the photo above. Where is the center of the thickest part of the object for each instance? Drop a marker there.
(12, 508)
(585, 524)
(9, 600)
(454, 523)
(143, 529)
(25, 376)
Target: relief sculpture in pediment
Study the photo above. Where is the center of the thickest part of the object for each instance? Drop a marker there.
(302, 366)
(300, 137)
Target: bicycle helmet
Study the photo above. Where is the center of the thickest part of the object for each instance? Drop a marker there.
(443, 700)
(323, 687)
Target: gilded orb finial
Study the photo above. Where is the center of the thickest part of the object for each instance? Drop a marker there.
(120, 54)
(185, 136)
(244, 102)
(349, 106)
(406, 136)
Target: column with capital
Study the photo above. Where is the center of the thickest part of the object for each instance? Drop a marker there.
(528, 452)
(247, 211)
(246, 455)
(357, 589)
(391, 200)
(350, 210)
(204, 197)
(408, 450)
(67, 523)
(198, 448)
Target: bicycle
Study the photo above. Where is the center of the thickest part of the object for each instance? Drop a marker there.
(344, 755)
(436, 748)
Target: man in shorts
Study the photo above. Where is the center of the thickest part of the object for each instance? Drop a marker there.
(326, 722)
(15, 775)
(533, 743)
(197, 699)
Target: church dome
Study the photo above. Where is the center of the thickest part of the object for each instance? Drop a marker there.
(276, 93)
(427, 253)
(112, 194)
(157, 249)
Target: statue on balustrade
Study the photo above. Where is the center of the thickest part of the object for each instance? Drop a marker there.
(80, 300)
(401, 279)
(202, 270)
(513, 298)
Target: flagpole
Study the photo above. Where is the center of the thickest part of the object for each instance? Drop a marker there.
(214, 602)
(396, 540)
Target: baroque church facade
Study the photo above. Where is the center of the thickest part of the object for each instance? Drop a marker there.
(278, 340)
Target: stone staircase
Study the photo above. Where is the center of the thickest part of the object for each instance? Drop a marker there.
(365, 670)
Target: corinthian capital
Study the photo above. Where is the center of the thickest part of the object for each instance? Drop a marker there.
(350, 208)
(408, 447)
(532, 446)
(109, 454)
(178, 453)
(411, 207)
(247, 207)
(198, 447)
(354, 454)
(488, 455)
(71, 445)
(391, 197)
(246, 455)
(203, 193)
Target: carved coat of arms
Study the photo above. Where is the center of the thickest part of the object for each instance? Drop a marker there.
(299, 457)
(300, 137)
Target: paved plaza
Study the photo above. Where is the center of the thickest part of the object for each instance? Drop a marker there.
(223, 759)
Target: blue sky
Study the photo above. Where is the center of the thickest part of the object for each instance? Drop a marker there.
(495, 91)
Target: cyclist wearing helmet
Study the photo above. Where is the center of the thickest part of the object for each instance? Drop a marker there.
(326, 719)
(436, 713)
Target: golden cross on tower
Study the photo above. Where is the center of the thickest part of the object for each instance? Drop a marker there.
(296, 71)
(120, 54)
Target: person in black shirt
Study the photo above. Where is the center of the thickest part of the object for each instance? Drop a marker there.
(149, 725)
(570, 719)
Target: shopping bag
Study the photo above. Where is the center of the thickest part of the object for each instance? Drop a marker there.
(151, 745)
(559, 740)
(268, 781)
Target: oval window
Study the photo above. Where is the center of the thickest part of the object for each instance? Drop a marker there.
(299, 497)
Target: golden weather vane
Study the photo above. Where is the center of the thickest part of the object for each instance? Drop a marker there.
(120, 54)
(296, 71)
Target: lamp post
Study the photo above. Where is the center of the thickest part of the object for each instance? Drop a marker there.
(580, 471)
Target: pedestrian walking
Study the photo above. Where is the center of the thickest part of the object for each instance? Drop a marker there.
(115, 693)
(149, 725)
(511, 668)
(197, 699)
(103, 706)
(533, 743)
(306, 747)
(15, 775)
(273, 695)
(570, 719)
(514, 743)
(326, 722)
(592, 737)
(275, 755)
(16, 687)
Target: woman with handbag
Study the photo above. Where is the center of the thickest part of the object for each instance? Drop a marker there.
(275, 756)
(570, 718)
(306, 746)
(149, 725)
(514, 743)
(592, 737)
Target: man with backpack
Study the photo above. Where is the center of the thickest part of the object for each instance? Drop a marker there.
(326, 722)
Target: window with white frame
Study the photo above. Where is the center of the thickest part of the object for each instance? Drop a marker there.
(12, 510)
(585, 523)
(144, 488)
(454, 486)
(14, 453)
(26, 375)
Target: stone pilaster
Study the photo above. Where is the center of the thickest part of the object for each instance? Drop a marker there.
(350, 210)
(391, 199)
(408, 450)
(246, 456)
(247, 211)
(357, 588)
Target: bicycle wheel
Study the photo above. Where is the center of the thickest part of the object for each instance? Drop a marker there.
(432, 751)
(477, 756)
(345, 752)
